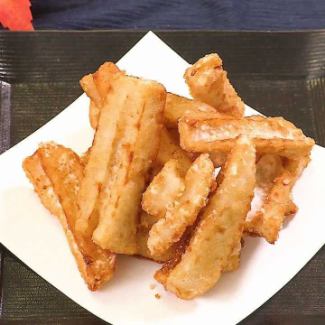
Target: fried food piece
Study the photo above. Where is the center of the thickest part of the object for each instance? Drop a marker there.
(103, 77)
(146, 222)
(272, 135)
(233, 261)
(164, 189)
(94, 112)
(176, 106)
(143, 250)
(56, 172)
(268, 168)
(268, 221)
(184, 209)
(44, 189)
(208, 83)
(88, 85)
(99, 156)
(170, 149)
(218, 234)
(291, 210)
(135, 142)
(96, 86)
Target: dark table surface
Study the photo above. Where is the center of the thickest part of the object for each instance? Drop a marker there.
(277, 73)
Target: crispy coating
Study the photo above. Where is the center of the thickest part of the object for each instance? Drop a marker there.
(164, 189)
(96, 86)
(94, 112)
(145, 224)
(268, 221)
(43, 186)
(273, 135)
(88, 85)
(218, 235)
(98, 159)
(134, 146)
(177, 105)
(170, 149)
(208, 83)
(233, 261)
(184, 209)
(55, 173)
(268, 168)
(103, 77)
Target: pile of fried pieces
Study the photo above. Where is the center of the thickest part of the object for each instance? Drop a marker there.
(169, 178)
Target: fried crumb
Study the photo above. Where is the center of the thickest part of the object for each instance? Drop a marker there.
(157, 296)
(152, 286)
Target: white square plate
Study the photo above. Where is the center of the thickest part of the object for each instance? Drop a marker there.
(35, 237)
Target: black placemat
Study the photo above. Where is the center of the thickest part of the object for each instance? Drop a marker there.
(276, 73)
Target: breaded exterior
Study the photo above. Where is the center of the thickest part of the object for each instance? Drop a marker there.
(218, 234)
